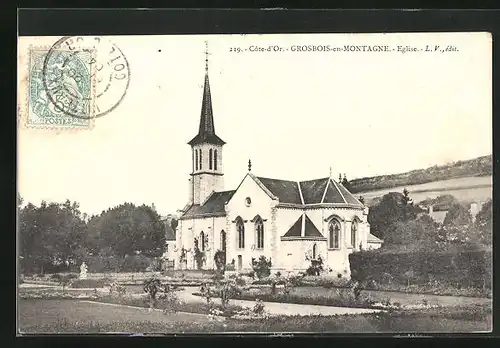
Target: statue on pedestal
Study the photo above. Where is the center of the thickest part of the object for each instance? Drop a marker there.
(83, 271)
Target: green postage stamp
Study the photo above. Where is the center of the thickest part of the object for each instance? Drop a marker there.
(60, 89)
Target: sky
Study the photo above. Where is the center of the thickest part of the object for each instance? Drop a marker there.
(294, 114)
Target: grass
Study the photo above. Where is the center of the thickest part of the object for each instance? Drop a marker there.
(73, 317)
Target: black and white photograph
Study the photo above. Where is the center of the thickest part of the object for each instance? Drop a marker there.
(275, 183)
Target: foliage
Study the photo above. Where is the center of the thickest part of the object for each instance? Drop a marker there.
(90, 283)
(394, 207)
(315, 268)
(128, 230)
(199, 255)
(440, 203)
(57, 237)
(456, 225)
(220, 260)
(261, 267)
(484, 223)
(49, 235)
(230, 267)
(456, 267)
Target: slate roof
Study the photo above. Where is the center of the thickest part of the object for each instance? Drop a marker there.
(213, 206)
(287, 191)
(310, 230)
(373, 239)
(206, 132)
(313, 191)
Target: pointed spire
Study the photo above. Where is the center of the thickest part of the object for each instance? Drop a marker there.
(249, 165)
(206, 132)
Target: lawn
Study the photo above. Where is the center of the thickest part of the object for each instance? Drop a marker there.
(67, 316)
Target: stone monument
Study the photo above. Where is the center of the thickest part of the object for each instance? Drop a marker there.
(83, 271)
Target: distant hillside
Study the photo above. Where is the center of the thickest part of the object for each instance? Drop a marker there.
(480, 166)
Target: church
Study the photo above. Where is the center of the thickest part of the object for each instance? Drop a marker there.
(288, 222)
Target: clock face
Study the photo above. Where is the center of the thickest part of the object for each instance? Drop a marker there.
(248, 201)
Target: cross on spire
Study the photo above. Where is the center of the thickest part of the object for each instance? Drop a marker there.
(206, 55)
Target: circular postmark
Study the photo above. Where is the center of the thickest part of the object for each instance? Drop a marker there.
(85, 76)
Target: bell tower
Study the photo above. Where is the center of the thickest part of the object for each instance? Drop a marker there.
(207, 173)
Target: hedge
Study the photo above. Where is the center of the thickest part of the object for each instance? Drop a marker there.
(466, 268)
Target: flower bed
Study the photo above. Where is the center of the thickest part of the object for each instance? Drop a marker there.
(56, 295)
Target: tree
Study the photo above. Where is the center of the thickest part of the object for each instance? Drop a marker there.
(49, 235)
(456, 225)
(484, 223)
(346, 184)
(128, 230)
(393, 207)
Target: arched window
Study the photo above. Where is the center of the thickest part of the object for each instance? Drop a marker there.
(196, 159)
(223, 240)
(259, 231)
(201, 161)
(315, 251)
(202, 241)
(354, 233)
(240, 228)
(215, 159)
(210, 159)
(334, 234)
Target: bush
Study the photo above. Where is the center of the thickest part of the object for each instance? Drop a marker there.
(220, 260)
(315, 268)
(457, 268)
(230, 267)
(90, 283)
(261, 267)
(138, 263)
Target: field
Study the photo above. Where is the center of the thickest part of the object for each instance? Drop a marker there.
(68, 316)
(464, 189)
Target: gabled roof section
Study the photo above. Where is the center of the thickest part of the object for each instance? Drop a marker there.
(312, 190)
(206, 132)
(310, 228)
(349, 198)
(373, 239)
(333, 194)
(296, 229)
(303, 227)
(286, 191)
(213, 206)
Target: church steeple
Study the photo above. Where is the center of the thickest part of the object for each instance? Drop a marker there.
(206, 132)
(207, 175)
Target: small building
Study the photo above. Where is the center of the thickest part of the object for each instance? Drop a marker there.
(374, 242)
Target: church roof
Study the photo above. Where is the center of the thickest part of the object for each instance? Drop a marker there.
(213, 206)
(206, 132)
(316, 191)
(373, 239)
(305, 225)
(286, 191)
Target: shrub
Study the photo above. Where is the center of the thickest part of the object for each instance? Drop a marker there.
(261, 267)
(90, 283)
(315, 268)
(458, 268)
(220, 260)
(230, 267)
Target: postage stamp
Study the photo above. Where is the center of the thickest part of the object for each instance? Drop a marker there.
(110, 70)
(70, 89)
(70, 83)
